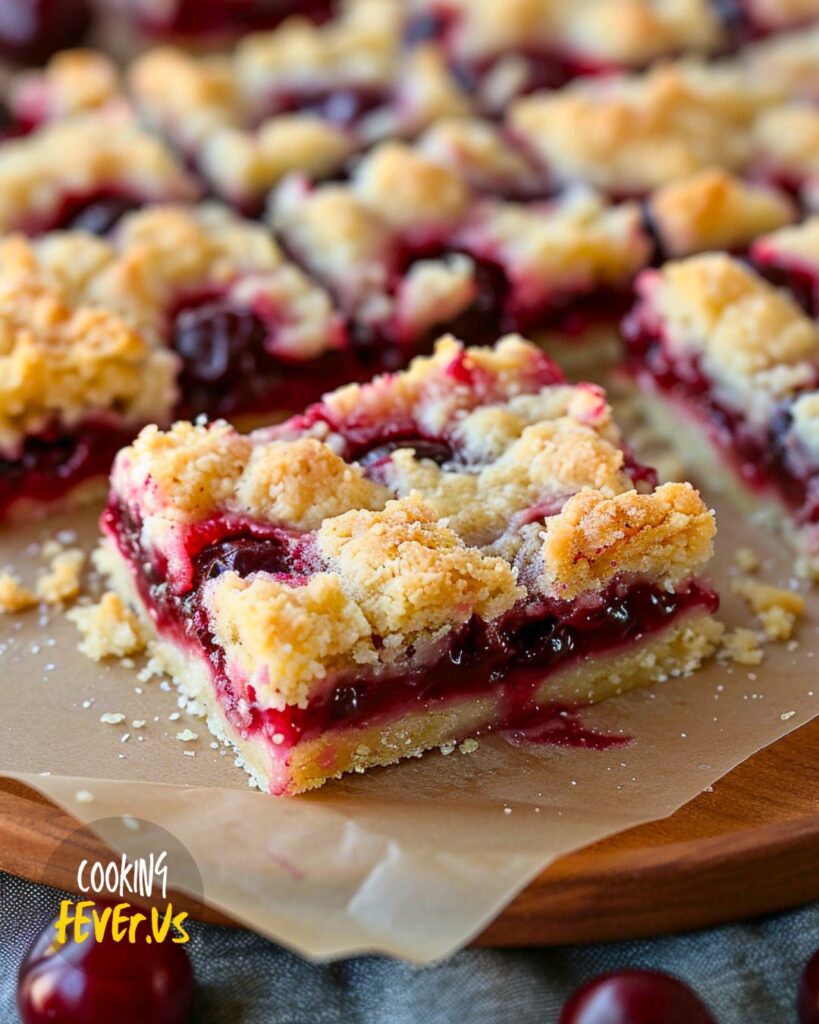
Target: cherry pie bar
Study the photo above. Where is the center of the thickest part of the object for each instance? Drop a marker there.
(85, 172)
(409, 249)
(447, 551)
(740, 358)
(181, 309)
(300, 98)
(505, 49)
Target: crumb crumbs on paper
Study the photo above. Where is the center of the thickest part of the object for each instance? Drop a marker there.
(111, 718)
(14, 597)
(776, 607)
(468, 746)
(746, 559)
(108, 628)
(787, 715)
(742, 646)
(187, 736)
(62, 579)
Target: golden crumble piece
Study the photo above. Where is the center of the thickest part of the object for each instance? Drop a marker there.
(72, 82)
(183, 473)
(716, 210)
(742, 646)
(409, 190)
(302, 483)
(109, 629)
(595, 537)
(776, 608)
(325, 629)
(745, 325)
(62, 581)
(14, 597)
(411, 574)
(746, 559)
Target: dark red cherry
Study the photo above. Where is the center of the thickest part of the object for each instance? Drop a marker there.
(100, 982)
(808, 996)
(32, 30)
(226, 364)
(635, 997)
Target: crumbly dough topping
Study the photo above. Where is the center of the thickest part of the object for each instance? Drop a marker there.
(754, 341)
(776, 608)
(632, 134)
(84, 155)
(63, 359)
(716, 210)
(14, 596)
(535, 499)
(73, 82)
(580, 241)
(798, 244)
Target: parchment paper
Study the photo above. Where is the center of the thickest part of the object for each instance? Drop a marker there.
(412, 860)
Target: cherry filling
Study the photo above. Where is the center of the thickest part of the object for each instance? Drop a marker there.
(54, 462)
(343, 107)
(97, 212)
(32, 30)
(798, 277)
(227, 366)
(223, 17)
(506, 659)
(763, 457)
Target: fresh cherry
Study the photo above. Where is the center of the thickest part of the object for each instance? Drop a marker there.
(808, 997)
(32, 30)
(97, 982)
(635, 997)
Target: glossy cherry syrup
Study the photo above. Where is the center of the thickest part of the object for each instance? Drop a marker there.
(105, 982)
(52, 463)
(808, 995)
(227, 367)
(32, 30)
(635, 997)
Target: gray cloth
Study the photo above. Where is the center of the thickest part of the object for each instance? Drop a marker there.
(747, 973)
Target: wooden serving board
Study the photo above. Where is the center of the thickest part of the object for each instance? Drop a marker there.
(750, 847)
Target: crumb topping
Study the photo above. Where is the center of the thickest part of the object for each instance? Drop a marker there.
(716, 210)
(62, 580)
(753, 339)
(73, 82)
(631, 134)
(595, 536)
(109, 629)
(776, 608)
(14, 597)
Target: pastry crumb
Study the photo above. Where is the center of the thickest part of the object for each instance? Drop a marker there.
(14, 597)
(786, 715)
(187, 735)
(747, 559)
(776, 608)
(468, 746)
(742, 646)
(110, 718)
(109, 628)
(61, 581)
